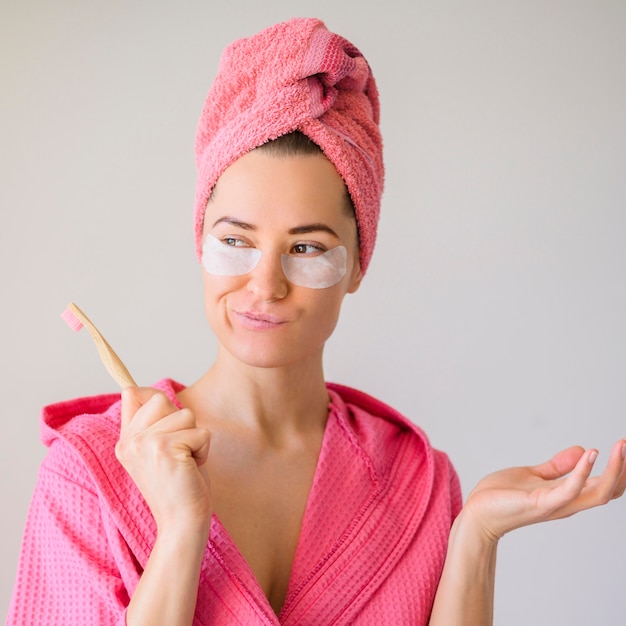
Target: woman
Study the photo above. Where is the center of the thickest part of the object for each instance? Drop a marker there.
(260, 494)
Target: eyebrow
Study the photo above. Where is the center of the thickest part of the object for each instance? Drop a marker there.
(296, 230)
(234, 222)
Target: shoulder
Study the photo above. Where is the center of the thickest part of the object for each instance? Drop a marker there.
(81, 433)
(368, 414)
(363, 402)
(90, 417)
(391, 439)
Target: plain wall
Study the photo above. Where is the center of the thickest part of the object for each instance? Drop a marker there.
(493, 312)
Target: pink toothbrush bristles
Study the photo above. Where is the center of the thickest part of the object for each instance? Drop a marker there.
(71, 320)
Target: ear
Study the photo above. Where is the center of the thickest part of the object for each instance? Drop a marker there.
(357, 277)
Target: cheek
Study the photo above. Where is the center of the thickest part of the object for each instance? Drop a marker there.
(215, 288)
(208, 299)
(323, 309)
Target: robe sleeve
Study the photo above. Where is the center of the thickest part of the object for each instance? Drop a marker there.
(66, 572)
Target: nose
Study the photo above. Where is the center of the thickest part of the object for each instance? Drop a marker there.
(267, 280)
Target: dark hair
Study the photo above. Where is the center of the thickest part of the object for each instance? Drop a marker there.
(296, 143)
(292, 144)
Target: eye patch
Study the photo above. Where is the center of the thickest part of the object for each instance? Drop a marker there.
(314, 272)
(221, 259)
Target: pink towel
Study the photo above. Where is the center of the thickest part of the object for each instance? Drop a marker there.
(295, 75)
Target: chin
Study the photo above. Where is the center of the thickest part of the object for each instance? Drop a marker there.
(256, 354)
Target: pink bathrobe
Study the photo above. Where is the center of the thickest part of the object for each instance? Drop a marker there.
(370, 551)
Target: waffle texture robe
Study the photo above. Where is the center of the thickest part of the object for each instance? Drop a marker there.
(370, 552)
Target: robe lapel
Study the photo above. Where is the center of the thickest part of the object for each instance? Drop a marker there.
(361, 516)
(229, 593)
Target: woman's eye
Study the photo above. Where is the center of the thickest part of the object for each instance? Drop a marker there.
(233, 241)
(307, 248)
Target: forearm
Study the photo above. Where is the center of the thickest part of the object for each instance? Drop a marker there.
(168, 588)
(466, 589)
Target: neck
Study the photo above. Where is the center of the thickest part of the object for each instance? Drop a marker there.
(275, 402)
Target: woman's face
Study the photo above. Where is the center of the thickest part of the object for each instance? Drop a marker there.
(280, 205)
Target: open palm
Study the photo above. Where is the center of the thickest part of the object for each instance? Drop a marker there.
(558, 488)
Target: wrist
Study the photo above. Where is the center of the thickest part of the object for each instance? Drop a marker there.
(470, 533)
(184, 534)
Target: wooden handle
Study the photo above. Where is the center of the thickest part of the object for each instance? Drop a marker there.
(111, 361)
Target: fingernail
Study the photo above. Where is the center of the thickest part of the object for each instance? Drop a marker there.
(624, 450)
(593, 456)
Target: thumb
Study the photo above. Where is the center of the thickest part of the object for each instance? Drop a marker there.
(133, 398)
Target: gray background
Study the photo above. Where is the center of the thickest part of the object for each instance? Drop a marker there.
(493, 313)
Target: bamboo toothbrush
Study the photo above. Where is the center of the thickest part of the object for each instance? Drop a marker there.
(76, 319)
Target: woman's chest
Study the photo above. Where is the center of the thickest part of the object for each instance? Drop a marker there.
(261, 505)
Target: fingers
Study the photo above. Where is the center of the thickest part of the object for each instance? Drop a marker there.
(132, 400)
(144, 406)
(621, 481)
(557, 497)
(573, 485)
(579, 492)
(613, 480)
(560, 464)
(152, 426)
(191, 442)
(165, 435)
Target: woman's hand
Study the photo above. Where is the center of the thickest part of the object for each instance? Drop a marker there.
(561, 487)
(506, 500)
(165, 453)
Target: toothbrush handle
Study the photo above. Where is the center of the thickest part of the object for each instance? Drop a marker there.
(113, 363)
(109, 358)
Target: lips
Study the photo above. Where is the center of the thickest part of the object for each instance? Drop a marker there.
(258, 321)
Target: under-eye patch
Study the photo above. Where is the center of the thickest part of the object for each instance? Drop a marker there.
(314, 272)
(221, 259)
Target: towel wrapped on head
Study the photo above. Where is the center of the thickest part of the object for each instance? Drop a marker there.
(295, 75)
